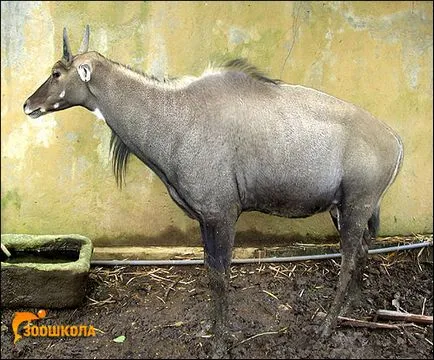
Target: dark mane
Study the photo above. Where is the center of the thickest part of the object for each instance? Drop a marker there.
(119, 154)
(147, 76)
(241, 65)
(250, 70)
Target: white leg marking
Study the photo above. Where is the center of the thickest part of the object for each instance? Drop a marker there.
(56, 105)
(62, 94)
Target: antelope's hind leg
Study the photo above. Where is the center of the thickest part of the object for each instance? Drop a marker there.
(355, 240)
(354, 291)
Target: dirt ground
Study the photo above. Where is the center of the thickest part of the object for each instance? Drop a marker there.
(163, 313)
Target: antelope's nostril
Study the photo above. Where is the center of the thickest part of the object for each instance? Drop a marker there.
(26, 108)
(33, 113)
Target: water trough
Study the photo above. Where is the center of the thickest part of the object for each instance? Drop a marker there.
(44, 271)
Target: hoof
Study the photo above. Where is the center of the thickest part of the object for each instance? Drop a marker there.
(325, 330)
(219, 348)
(218, 353)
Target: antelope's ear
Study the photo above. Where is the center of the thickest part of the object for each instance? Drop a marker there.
(85, 71)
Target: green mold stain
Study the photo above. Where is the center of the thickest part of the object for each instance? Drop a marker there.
(11, 198)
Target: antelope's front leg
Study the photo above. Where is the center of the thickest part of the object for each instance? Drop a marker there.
(218, 238)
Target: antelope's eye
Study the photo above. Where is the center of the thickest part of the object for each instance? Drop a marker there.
(56, 74)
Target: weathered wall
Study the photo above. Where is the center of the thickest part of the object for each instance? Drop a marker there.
(56, 175)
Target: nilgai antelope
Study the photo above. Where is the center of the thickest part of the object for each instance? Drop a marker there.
(234, 140)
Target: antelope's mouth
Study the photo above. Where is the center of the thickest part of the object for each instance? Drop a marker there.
(35, 113)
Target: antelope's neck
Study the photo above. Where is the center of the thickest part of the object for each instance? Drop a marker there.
(145, 115)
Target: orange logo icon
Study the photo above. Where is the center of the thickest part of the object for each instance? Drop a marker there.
(26, 316)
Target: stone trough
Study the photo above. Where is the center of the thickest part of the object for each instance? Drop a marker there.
(44, 271)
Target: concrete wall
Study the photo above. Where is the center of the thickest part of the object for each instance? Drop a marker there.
(56, 176)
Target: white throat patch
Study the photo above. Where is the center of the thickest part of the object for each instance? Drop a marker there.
(99, 114)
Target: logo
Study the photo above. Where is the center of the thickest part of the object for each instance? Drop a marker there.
(46, 330)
